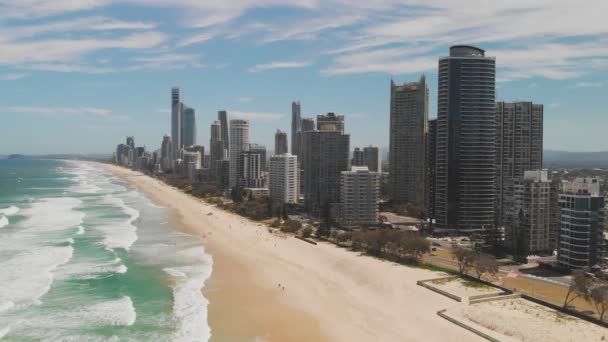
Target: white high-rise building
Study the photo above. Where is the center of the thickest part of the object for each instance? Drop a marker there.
(239, 140)
(284, 172)
(359, 189)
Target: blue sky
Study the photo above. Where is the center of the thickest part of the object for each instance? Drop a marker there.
(79, 76)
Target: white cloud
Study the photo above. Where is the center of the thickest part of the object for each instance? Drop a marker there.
(13, 76)
(66, 111)
(166, 62)
(197, 38)
(255, 116)
(245, 99)
(279, 65)
(590, 84)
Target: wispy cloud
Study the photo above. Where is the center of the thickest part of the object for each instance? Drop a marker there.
(13, 76)
(256, 116)
(197, 38)
(279, 65)
(590, 84)
(66, 111)
(245, 99)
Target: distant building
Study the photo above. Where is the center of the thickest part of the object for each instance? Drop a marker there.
(222, 117)
(280, 142)
(582, 223)
(431, 167)
(261, 149)
(466, 132)
(166, 153)
(120, 150)
(131, 142)
(249, 170)
(284, 175)
(357, 157)
(176, 121)
(519, 148)
(532, 215)
(371, 158)
(306, 124)
(359, 191)
(296, 115)
(216, 145)
(330, 121)
(222, 174)
(239, 140)
(256, 192)
(189, 129)
(325, 155)
(409, 110)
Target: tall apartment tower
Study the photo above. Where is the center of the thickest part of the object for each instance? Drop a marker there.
(165, 153)
(532, 215)
(222, 116)
(582, 222)
(466, 132)
(176, 121)
(189, 129)
(284, 173)
(407, 152)
(329, 120)
(296, 116)
(239, 140)
(431, 159)
(357, 157)
(249, 169)
(131, 142)
(371, 158)
(261, 150)
(306, 124)
(519, 148)
(359, 190)
(280, 142)
(216, 146)
(325, 155)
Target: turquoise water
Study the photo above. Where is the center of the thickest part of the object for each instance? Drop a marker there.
(86, 257)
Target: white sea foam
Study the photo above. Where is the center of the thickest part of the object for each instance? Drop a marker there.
(10, 211)
(121, 234)
(80, 230)
(3, 221)
(5, 306)
(4, 331)
(51, 214)
(114, 312)
(28, 275)
(189, 305)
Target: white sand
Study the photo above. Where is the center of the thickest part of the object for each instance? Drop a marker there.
(354, 298)
(456, 286)
(523, 320)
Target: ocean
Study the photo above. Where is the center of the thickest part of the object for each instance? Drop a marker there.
(84, 256)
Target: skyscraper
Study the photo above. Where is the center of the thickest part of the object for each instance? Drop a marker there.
(189, 128)
(371, 158)
(165, 153)
(222, 116)
(409, 110)
(280, 142)
(532, 215)
(239, 140)
(325, 156)
(431, 160)
(283, 178)
(131, 142)
(176, 121)
(249, 170)
(359, 189)
(216, 146)
(325, 121)
(466, 132)
(261, 150)
(519, 148)
(357, 157)
(296, 115)
(582, 222)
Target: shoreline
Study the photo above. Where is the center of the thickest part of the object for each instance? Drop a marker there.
(330, 294)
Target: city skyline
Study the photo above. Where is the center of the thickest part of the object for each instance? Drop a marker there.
(341, 56)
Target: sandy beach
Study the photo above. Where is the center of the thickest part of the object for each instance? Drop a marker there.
(330, 294)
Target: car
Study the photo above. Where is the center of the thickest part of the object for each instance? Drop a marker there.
(437, 244)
